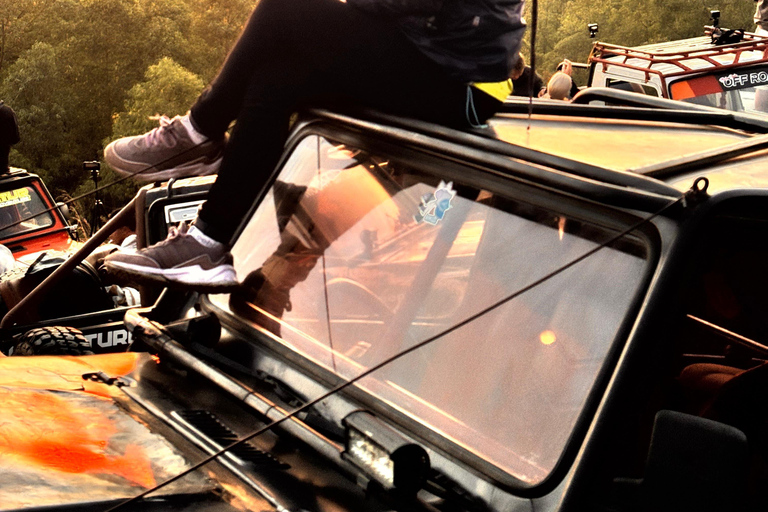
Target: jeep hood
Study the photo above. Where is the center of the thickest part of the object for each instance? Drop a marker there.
(65, 441)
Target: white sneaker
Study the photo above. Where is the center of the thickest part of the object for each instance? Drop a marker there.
(179, 261)
(168, 151)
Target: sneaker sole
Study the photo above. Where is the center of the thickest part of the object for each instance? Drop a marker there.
(218, 280)
(140, 171)
(204, 158)
(183, 171)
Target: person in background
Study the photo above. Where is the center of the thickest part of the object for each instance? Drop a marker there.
(566, 67)
(9, 135)
(426, 59)
(558, 87)
(761, 29)
(521, 80)
(761, 17)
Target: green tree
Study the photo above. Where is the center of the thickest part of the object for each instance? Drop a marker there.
(215, 26)
(110, 45)
(167, 89)
(36, 89)
(18, 22)
(69, 65)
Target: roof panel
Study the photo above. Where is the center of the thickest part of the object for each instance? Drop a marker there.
(613, 144)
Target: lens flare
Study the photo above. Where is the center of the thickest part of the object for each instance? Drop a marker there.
(547, 337)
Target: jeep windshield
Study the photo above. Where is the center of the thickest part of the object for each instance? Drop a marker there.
(738, 89)
(22, 203)
(353, 256)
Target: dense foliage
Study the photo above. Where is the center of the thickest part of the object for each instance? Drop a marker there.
(79, 73)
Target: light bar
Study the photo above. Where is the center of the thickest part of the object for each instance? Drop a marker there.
(383, 454)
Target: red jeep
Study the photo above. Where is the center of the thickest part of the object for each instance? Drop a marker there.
(30, 219)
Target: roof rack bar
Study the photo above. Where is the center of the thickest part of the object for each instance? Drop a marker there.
(656, 54)
(700, 50)
(684, 70)
(672, 56)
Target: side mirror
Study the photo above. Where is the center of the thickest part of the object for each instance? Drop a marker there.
(7, 261)
(64, 209)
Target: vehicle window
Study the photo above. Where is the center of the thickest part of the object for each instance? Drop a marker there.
(632, 87)
(22, 204)
(736, 89)
(352, 258)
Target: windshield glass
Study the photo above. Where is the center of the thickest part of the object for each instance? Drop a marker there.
(352, 258)
(740, 89)
(22, 204)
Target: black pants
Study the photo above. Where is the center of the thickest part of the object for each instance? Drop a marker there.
(298, 53)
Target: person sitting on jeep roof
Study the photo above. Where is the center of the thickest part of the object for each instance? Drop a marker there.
(9, 135)
(427, 59)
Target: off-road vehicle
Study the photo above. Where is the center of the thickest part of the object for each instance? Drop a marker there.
(82, 312)
(30, 219)
(724, 69)
(563, 311)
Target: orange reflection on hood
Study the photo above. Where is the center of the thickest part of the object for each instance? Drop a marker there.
(63, 372)
(47, 430)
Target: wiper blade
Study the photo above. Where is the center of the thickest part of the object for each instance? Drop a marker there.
(285, 392)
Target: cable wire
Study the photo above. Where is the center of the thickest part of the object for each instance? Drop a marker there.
(532, 76)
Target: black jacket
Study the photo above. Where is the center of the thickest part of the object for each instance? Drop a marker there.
(474, 40)
(521, 86)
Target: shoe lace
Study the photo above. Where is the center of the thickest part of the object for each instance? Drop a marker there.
(163, 134)
(173, 233)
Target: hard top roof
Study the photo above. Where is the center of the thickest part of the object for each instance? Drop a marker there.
(651, 146)
(673, 146)
(14, 176)
(617, 144)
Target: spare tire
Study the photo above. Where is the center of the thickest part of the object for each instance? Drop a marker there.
(50, 341)
(80, 291)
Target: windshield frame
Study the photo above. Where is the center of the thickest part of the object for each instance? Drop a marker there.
(491, 176)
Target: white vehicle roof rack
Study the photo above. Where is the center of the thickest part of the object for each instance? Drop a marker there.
(679, 58)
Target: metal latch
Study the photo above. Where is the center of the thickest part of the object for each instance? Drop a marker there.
(103, 378)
